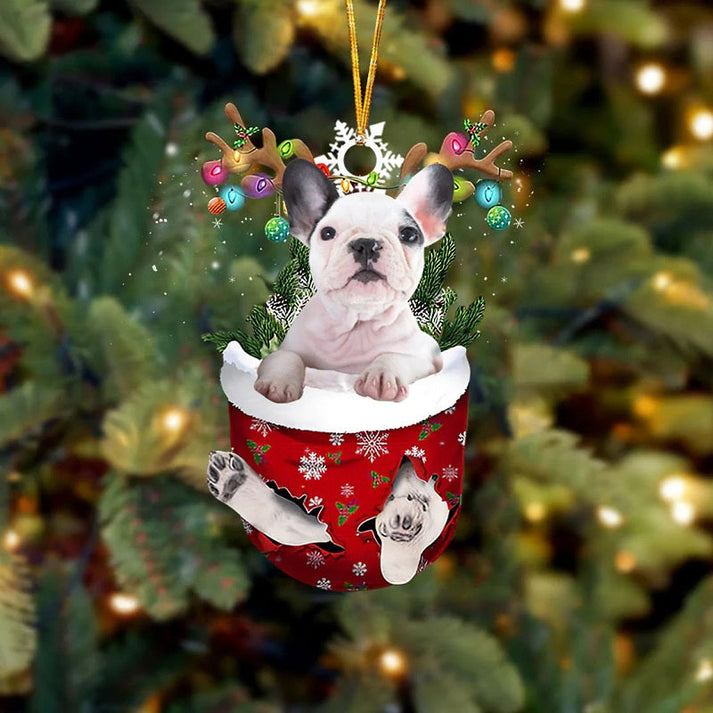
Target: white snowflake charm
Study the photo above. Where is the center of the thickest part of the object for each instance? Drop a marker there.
(416, 452)
(312, 466)
(345, 138)
(372, 444)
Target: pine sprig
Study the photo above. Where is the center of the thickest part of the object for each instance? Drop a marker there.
(294, 286)
(223, 338)
(463, 329)
(435, 268)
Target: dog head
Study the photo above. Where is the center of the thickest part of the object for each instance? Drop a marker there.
(366, 247)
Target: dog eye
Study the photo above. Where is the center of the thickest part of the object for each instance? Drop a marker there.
(328, 233)
(408, 234)
(409, 497)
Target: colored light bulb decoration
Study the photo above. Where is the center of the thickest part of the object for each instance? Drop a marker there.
(457, 142)
(277, 230)
(234, 198)
(462, 189)
(214, 173)
(323, 168)
(372, 178)
(257, 185)
(287, 149)
(498, 217)
(488, 193)
(216, 205)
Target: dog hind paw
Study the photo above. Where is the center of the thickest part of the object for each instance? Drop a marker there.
(226, 473)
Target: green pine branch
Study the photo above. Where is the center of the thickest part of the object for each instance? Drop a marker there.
(163, 547)
(68, 663)
(293, 285)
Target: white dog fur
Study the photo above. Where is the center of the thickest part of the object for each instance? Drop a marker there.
(366, 259)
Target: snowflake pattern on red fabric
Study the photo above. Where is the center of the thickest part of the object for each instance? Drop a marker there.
(345, 480)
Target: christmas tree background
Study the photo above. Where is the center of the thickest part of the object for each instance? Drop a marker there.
(579, 579)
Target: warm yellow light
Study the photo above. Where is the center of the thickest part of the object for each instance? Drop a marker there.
(503, 59)
(124, 604)
(572, 5)
(661, 281)
(609, 517)
(20, 283)
(625, 561)
(11, 540)
(674, 158)
(535, 512)
(309, 8)
(174, 419)
(682, 512)
(645, 406)
(705, 671)
(701, 124)
(393, 663)
(672, 488)
(650, 78)
(580, 255)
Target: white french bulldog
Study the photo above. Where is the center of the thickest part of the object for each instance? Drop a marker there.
(366, 258)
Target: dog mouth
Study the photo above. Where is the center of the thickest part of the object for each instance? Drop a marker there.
(366, 275)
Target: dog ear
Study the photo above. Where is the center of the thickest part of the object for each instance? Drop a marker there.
(308, 195)
(428, 196)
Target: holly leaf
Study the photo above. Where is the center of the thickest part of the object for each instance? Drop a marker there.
(24, 28)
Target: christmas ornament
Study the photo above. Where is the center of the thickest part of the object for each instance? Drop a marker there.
(213, 173)
(386, 162)
(456, 142)
(233, 197)
(257, 185)
(488, 193)
(323, 480)
(498, 217)
(216, 205)
(287, 149)
(462, 189)
(277, 230)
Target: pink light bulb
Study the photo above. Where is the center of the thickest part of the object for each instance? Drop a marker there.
(213, 172)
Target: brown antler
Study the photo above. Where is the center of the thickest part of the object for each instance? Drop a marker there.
(244, 159)
(465, 159)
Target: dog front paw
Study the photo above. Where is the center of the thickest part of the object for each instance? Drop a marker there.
(279, 390)
(381, 383)
(226, 473)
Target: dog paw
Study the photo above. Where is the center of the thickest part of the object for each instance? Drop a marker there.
(381, 384)
(280, 391)
(226, 473)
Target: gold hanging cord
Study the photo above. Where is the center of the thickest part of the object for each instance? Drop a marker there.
(362, 105)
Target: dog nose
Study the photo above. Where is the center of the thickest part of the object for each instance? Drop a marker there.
(365, 250)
